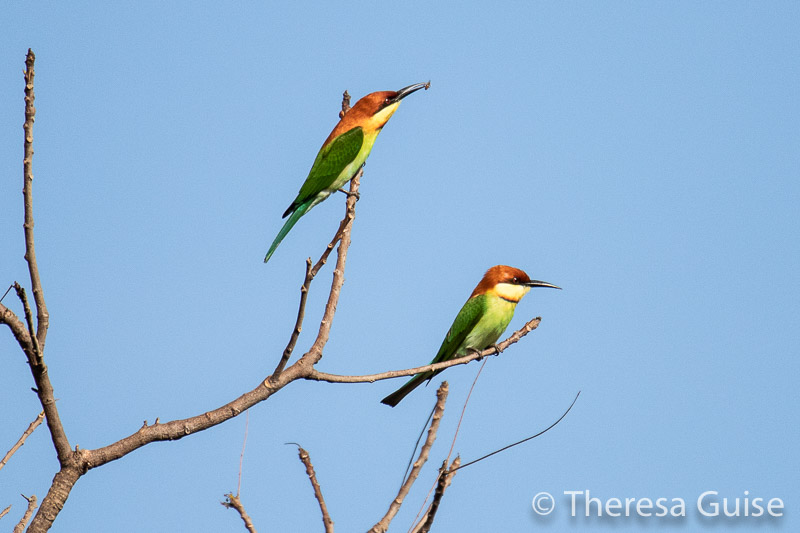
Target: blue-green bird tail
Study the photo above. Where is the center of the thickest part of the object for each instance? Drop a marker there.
(395, 397)
(293, 218)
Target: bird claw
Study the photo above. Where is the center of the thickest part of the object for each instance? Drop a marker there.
(476, 352)
(349, 194)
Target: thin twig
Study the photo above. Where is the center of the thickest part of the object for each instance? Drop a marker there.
(298, 326)
(17, 327)
(532, 324)
(312, 476)
(26, 308)
(312, 272)
(6, 293)
(5, 511)
(445, 478)
(78, 463)
(551, 426)
(33, 425)
(345, 104)
(464, 410)
(42, 316)
(44, 388)
(241, 456)
(233, 502)
(27, 516)
(314, 354)
(441, 397)
(455, 436)
(416, 445)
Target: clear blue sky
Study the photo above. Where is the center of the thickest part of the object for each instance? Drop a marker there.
(644, 156)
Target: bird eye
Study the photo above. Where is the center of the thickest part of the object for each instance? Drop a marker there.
(515, 280)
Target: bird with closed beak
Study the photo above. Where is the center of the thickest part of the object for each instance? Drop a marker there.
(481, 321)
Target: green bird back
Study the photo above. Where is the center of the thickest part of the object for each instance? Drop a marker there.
(465, 322)
(323, 179)
(331, 160)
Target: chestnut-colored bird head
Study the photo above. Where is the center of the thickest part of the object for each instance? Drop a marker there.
(374, 110)
(508, 283)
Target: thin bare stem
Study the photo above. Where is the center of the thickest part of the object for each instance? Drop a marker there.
(33, 425)
(312, 476)
(504, 448)
(5, 511)
(445, 478)
(464, 410)
(18, 329)
(26, 308)
(532, 324)
(241, 455)
(233, 502)
(452, 444)
(42, 316)
(314, 354)
(20, 527)
(345, 104)
(311, 273)
(75, 464)
(298, 325)
(35, 351)
(441, 397)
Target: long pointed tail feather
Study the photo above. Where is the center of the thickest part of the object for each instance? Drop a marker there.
(293, 218)
(395, 397)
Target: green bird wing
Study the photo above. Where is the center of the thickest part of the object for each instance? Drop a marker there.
(330, 162)
(465, 322)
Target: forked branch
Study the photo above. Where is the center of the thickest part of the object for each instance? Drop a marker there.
(441, 397)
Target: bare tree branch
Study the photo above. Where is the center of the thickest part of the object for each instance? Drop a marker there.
(5, 511)
(312, 476)
(77, 463)
(445, 478)
(531, 325)
(17, 327)
(42, 316)
(44, 388)
(298, 326)
(312, 272)
(33, 425)
(345, 104)
(26, 309)
(233, 502)
(314, 354)
(27, 516)
(74, 463)
(441, 397)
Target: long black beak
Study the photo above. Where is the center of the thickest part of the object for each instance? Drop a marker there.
(537, 283)
(405, 91)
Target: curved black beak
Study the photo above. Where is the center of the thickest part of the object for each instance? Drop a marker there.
(537, 283)
(405, 91)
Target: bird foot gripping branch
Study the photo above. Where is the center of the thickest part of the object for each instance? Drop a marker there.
(344, 152)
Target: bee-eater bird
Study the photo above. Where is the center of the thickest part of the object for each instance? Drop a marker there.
(484, 317)
(343, 152)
